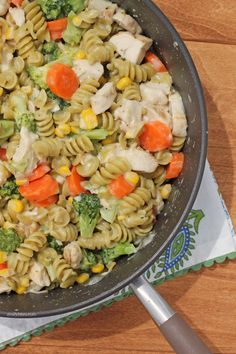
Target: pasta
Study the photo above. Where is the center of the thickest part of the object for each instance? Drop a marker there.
(84, 171)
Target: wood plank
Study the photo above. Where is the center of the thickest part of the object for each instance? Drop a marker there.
(208, 21)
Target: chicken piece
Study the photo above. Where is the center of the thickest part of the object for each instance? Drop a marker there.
(73, 254)
(130, 114)
(146, 41)
(160, 113)
(4, 287)
(4, 6)
(105, 8)
(129, 47)
(178, 115)
(18, 15)
(38, 274)
(104, 98)
(127, 22)
(139, 159)
(84, 70)
(155, 93)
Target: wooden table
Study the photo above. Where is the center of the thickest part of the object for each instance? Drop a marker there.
(206, 299)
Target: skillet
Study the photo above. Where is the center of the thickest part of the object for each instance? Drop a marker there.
(171, 49)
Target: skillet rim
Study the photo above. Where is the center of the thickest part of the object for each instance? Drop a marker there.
(201, 166)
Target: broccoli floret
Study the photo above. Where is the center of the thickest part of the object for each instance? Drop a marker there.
(10, 189)
(50, 51)
(61, 103)
(9, 240)
(89, 259)
(53, 243)
(88, 207)
(26, 120)
(52, 9)
(72, 34)
(38, 75)
(121, 249)
(73, 5)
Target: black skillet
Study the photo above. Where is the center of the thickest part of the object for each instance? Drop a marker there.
(172, 50)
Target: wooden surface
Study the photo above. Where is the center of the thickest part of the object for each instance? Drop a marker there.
(206, 299)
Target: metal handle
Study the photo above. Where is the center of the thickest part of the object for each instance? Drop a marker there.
(177, 332)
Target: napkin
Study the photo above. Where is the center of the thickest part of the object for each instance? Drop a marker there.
(206, 237)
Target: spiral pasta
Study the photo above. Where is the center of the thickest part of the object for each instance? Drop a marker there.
(65, 234)
(24, 41)
(137, 73)
(99, 241)
(107, 121)
(87, 18)
(81, 98)
(134, 201)
(8, 80)
(64, 273)
(35, 15)
(178, 144)
(76, 146)
(19, 264)
(45, 124)
(47, 147)
(163, 157)
(132, 92)
(110, 171)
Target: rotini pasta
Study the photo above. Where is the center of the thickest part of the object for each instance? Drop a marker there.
(82, 173)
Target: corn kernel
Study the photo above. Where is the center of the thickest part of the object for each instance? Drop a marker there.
(16, 206)
(77, 21)
(1, 91)
(59, 133)
(20, 290)
(3, 257)
(74, 130)
(121, 217)
(20, 182)
(70, 200)
(98, 268)
(123, 83)
(88, 120)
(132, 177)
(165, 191)
(24, 282)
(64, 171)
(9, 33)
(82, 278)
(65, 128)
(80, 55)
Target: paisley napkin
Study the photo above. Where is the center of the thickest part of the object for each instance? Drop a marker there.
(206, 237)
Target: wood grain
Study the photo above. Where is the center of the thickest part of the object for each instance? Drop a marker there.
(207, 298)
(201, 20)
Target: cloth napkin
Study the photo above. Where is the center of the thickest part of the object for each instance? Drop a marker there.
(206, 237)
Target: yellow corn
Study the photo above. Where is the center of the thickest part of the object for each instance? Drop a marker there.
(9, 33)
(77, 21)
(121, 217)
(24, 282)
(20, 182)
(82, 278)
(59, 133)
(88, 120)
(3, 257)
(16, 206)
(98, 268)
(74, 130)
(123, 83)
(27, 90)
(20, 290)
(132, 177)
(64, 171)
(80, 55)
(1, 91)
(70, 200)
(65, 128)
(165, 191)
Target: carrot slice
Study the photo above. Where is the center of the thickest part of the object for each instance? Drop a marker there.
(56, 35)
(16, 2)
(40, 189)
(74, 183)
(39, 172)
(57, 25)
(156, 136)
(156, 62)
(62, 80)
(3, 154)
(120, 187)
(176, 166)
(45, 203)
(3, 265)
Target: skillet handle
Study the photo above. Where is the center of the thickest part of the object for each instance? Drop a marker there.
(176, 331)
